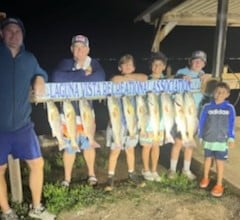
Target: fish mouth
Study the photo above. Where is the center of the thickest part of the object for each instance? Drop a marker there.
(178, 104)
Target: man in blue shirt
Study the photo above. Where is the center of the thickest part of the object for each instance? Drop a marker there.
(79, 68)
(19, 71)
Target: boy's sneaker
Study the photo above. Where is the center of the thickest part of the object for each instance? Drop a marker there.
(217, 191)
(41, 213)
(65, 183)
(189, 174)
(92, 180)
(135, 179)
(110, 183)
(9, 216)
(204, 183)
(147, 175)
(171, 174)
(156, 177)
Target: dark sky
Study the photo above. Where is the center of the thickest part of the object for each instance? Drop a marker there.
(50, 25)
(109, 25)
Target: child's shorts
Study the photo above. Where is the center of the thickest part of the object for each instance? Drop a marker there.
(149, 141)
(127, 141)
(218, 155)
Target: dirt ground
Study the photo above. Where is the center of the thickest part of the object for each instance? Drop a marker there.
(166, 204)
(161, 206)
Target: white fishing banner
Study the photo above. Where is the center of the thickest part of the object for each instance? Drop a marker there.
(99, 90)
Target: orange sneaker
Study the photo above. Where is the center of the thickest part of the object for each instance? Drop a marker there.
(217, 191)
(204, 183)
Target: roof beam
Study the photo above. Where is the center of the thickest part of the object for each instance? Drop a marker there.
(162, 32)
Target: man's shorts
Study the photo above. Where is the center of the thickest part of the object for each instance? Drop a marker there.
(22, 144)
(127, 141)
(218, 155)
(82, 141)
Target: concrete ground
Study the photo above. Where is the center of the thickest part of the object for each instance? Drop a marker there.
(232, 165)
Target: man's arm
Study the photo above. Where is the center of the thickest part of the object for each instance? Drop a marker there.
(38, 83)
(39, 86)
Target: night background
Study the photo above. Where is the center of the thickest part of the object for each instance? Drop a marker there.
(111, 30)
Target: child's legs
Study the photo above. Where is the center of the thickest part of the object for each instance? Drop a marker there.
(220, 156)
(188, 151)
(207, 166)
(113, 160)
(220, 170)
(89, 156)
(176, 149)
(175, 154)
(145, 156)
(68, 161)
(130, 154)
(155, 153)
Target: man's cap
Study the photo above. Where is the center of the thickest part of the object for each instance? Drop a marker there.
(12, 20)
(80, 39)
(199, 54)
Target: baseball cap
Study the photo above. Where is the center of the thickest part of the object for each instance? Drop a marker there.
(199, 54)
(12, 20)
(80, 39)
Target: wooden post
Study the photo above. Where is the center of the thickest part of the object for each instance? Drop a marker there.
(15, 179)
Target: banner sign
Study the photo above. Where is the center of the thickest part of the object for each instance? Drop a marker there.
(99, 90)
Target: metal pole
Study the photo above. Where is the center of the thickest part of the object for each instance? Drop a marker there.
(220, 38)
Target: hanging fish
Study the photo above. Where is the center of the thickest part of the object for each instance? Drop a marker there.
(70, 119)
(142, 115)
(130, 115)
(114, 109)
(167, 116)
(54, 120)
(155, 117)
(180, 118)
(191, 112)
(88, 122)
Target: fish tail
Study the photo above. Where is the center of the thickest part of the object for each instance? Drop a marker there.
(94, 144)
(169, 139)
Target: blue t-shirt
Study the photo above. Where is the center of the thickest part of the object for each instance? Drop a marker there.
(17, 75)
(194, 75)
